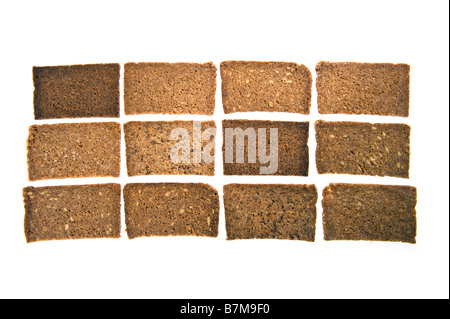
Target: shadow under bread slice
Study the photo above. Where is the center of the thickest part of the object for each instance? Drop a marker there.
(74, 91)
(72, 212)
(171, 209)
(363, 148)
(270, 211)
(73, 150)
(369, 212)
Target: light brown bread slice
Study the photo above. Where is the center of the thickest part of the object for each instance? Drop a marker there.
(72, 212)
(293, 153)
(149, 146)
(73, 150)
(76, 91)
(171, 209)
(369, 212)
(362, 148)
(270, 211)
(265, 87)
(169, 88)
(363, 88)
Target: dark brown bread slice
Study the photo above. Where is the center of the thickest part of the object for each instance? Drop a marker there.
(362, 148)
(149, 145)
(72, 212)
(363, 88)
(265, 87)
(293, 158)
(76, 91)
(73, 150)
(270, 211)
(170, 88)
(369, 212)
(170, 209)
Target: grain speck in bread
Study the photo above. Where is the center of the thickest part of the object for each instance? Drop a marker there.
(149, 145)
(363, 88)
(73, 150)
(362, 149)
(169, 88)
(265, 87)
(293, 153)
(171, 209)
(270, 211)
(369, 212)
(72, 212)
(76, 91)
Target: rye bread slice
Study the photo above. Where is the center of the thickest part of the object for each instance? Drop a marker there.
(293, 153)
(363, 148)
(270, 211)
(363, 88)
(171, 209)
(369, 212)
(73, 150)
(265, 87)
(76, 91)
(149, 146)
(72, 212)
(169, 88)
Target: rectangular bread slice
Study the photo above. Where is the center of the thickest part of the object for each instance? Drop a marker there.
(363, 88)
(171, 209)
(265, 87)
(72, 212)
(369, 212)
(73, 150)
(169, 88)
(76, 91)
(290, 156)
(362, 149)
(270, 211)
(150, 147)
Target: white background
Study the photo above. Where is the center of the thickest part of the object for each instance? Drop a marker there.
(57, 33)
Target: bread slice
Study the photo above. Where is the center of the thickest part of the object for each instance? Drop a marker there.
(171, 209)
(149, 146)
(369, 212)
(265, 87)
(363, 88)
(362, 148)
(292, 138)
(72, 212)
(76, 91)
(270, 211)
(169, 88)
(73, 150)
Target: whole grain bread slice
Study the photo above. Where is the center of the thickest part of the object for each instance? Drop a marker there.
(270, 211)
(249, 86)
(72, 212)
(370, 212)
(171, 209)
